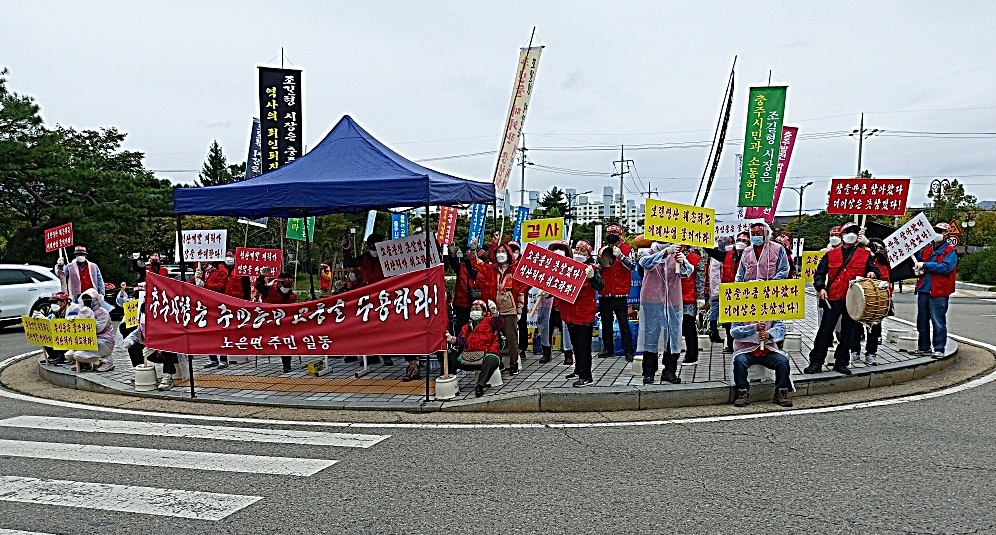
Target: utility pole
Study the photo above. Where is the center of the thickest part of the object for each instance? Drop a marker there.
(522, 186)
(623, 169)
(650, 192)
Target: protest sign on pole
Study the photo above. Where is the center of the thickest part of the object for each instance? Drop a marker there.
(254, 166)
(405, 255)
(522, 90)
(250, 261)
(447, 224)
(758, 174)
(679, 223)
(371, 220)
(557, 275)
(130, 313)
(520, 217)
(203, 245)
(58, 237)
(598, 238)
(868, 196)
(783, 299)
(810, 259)
(401, 315)
(545, 230)
(909, 239)
(295, 229)
(75, 334)
(734, 226)
(787, 144)
(478, 222)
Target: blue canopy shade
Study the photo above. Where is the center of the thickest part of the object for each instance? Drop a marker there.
(348, 172)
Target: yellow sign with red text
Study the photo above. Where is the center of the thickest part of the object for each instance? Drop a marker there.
(762, 301)
(77, 334)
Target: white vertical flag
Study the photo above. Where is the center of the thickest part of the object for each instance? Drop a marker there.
(525, 77)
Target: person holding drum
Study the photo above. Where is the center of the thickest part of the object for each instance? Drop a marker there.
(833, 276)
(880, 254)
(936, 265)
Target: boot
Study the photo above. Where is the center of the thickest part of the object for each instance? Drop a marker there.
(649, 367)
(546, 355)
(742, 398)
(568, 357)
(782, 398)
(670, 369)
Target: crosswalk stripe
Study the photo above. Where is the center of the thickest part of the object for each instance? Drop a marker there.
(190, 504)
(195, 460)
(216, 432)
(19, 532)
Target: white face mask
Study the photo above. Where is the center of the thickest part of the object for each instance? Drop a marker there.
(476, 315)
(560, 252)
(729, 247)
(850, 238)
(938, 238)
(501, 258)
(229, 261)
(373, 253)
(741, 246)
(352, 276)
(285, 289)
(81, 259)
(834, 241)
(579, 258)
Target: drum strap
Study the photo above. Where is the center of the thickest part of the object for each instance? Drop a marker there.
(842, 268)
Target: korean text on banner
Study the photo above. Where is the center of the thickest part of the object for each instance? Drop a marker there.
(789, 134)
(550, 229)
(810, 260)
(399, 226)
(250, 261)
(58, 237)
(758, 173)
(734, 227)
(546, 270)
(478, 222)
(131, 313)
(598, 238)
(679, 223)
(909, 239)
(447, 224)
(525, 77)
(281, 117)
(405, 255)
(520, 217)
(762, 300)
(75, 334)
(869, 196)
(295, 229)
(400, 315)
(203, 245)
(38, 331)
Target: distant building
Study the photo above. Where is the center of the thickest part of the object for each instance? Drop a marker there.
(584, 210)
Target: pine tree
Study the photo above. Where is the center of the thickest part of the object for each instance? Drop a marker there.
(215, 170)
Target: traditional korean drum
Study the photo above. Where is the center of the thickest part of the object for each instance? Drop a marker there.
(867, 300)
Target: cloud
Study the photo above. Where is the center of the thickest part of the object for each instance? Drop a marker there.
(572, 80)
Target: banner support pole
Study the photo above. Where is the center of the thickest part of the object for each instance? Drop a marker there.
(307, 250)
(183, 271)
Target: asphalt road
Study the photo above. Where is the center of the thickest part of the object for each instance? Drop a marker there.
(922, 467)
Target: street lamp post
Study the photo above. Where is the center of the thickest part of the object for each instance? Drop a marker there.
(968, 223)
(800, 190)
(938, 188)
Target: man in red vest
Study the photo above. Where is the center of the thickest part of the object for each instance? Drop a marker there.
(832, 278)
(617, 274)
(937, 267)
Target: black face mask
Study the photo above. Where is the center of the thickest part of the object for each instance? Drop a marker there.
(612, 239)
(87, 302)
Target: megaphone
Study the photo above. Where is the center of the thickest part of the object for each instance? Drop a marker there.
(606, 257)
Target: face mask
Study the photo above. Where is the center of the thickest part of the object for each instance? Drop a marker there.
(741, 246)
(560, 252)
(834, 241)
(285, 289)
(501, 258)
(729, 247)
(87, 302)
(54, 309)
(476, 315)
(757, 240)
(850, 238)
(373, 253)
(352, 276)
(612, 239)
(229, 261)
(579, 258)
(938, 238)
(81, 259)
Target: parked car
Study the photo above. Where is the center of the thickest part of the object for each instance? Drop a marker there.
(173, 271)
(23, 290)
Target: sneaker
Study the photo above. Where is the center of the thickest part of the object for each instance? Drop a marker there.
(648, 380)
(871, 359)
(513, 370)
(855, 358)
(937, 354)
(687, 362)
(287, 369)
(106, 366)
(727, 350)
(922, 353)
(843, 370)
(166, 383)
(742, 398)
(582, 383)
(572, 375)
(812, 368)
(211, 364)
(782, 398)
(222, 365)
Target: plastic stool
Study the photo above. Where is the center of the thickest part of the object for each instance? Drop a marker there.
(494, 381)
(892, 335)
(793, 342)
(637, 366)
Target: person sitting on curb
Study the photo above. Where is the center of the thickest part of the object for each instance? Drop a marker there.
(90, 307)
(60, 302)
(477, 346)
(754, 344)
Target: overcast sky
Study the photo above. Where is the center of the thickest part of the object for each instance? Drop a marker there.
(433, 79)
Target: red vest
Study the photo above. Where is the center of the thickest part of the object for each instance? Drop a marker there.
(941, 285)
(233, 286)
(729, 273)
(481, 338)
(461, 296)
(276, 297)
(688, 294)
(486, 281)
(617, 278)
(855, 268)
(581, 311)
(886, 272)
(217, 279)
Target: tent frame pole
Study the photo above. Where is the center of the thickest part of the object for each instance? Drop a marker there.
(183, 272)
(307, 251)
(428, 264)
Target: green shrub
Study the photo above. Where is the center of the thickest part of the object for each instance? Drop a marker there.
(978, 267)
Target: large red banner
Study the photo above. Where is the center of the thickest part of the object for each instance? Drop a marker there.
(249, 261)
(789, 133)
(869, 196)
(546, 270)
(447, 224)
(58, 237)
(403, 315)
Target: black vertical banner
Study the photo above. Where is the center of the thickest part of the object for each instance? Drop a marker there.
(281, 121)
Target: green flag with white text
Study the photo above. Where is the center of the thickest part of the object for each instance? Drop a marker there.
(759, 170)
(295, 229)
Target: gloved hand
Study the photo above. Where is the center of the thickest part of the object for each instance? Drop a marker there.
(129, 342)
(492, 307)
(671, 249)
(199, 282)
(861, 237)
(701, 303)
(589, 272)
(657, 247)
(617, 252)
(679, 258)
(450, 338)
(473, 243)
(459, 252)
(918, 267)
(61, 261)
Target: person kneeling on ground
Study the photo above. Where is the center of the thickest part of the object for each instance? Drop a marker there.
(477, 346)
(754, 344)
(60, 302)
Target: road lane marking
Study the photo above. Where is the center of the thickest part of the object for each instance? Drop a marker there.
(19, 532)
(211, 432)
(194, 460)
(190, 504)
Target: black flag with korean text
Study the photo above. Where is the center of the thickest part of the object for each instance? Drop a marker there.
(281, 123)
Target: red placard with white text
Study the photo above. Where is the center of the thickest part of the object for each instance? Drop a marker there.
(249, 261)
(550, 272)
(447, 224)
(403, 315)
(58, 237)
(869, 196)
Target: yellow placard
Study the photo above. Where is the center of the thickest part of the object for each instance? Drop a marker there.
(679, 223)
(762, 301)
(550, 229)
(810, 259)
(75, 334)
(37, 331)
(131, 313)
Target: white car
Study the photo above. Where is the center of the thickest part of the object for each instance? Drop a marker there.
(24, 289)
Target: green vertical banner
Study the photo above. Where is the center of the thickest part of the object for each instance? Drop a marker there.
(295, 229)
(759, 170)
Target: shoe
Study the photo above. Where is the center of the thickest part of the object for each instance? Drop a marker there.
(921, 353)
(413, 373)
(388, 361)
(648, 380)
(842, 370)
(572, 375)
(513, 370)
(287, 369)
(937, 354)
(606, 354)
(350, 359)
(222, 365)
(855, 358)
(812, 368)
(742, 398)
(629, 357)
(166, 383)
(582, 383)
(871, 359)
(782, 398)
(716, 339)
(478, 391)
(727, 350)
(668, 376)
(211, 364)
(687, 362)
(568, 357)
(105, 366)
(547, 355)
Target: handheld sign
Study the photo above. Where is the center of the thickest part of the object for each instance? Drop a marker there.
(909, 239)
(557, 275)
(869, 196)
(762, 301)
(679, 223)
(58, 237)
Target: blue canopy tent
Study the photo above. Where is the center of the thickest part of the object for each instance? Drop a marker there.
(349, 171)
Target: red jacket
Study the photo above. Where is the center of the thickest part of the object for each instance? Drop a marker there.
(234, 287)
(730, 266)
(855, 268)
(941, 284)
(217, 279)
(688, 293)
(480, 338)
(163, 272)
(276, 297)
(582, 311)
(486, 281)
(370, 270)
(461, 295)
(617, 278)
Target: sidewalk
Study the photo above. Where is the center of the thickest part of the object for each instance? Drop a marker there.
(538, 387)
